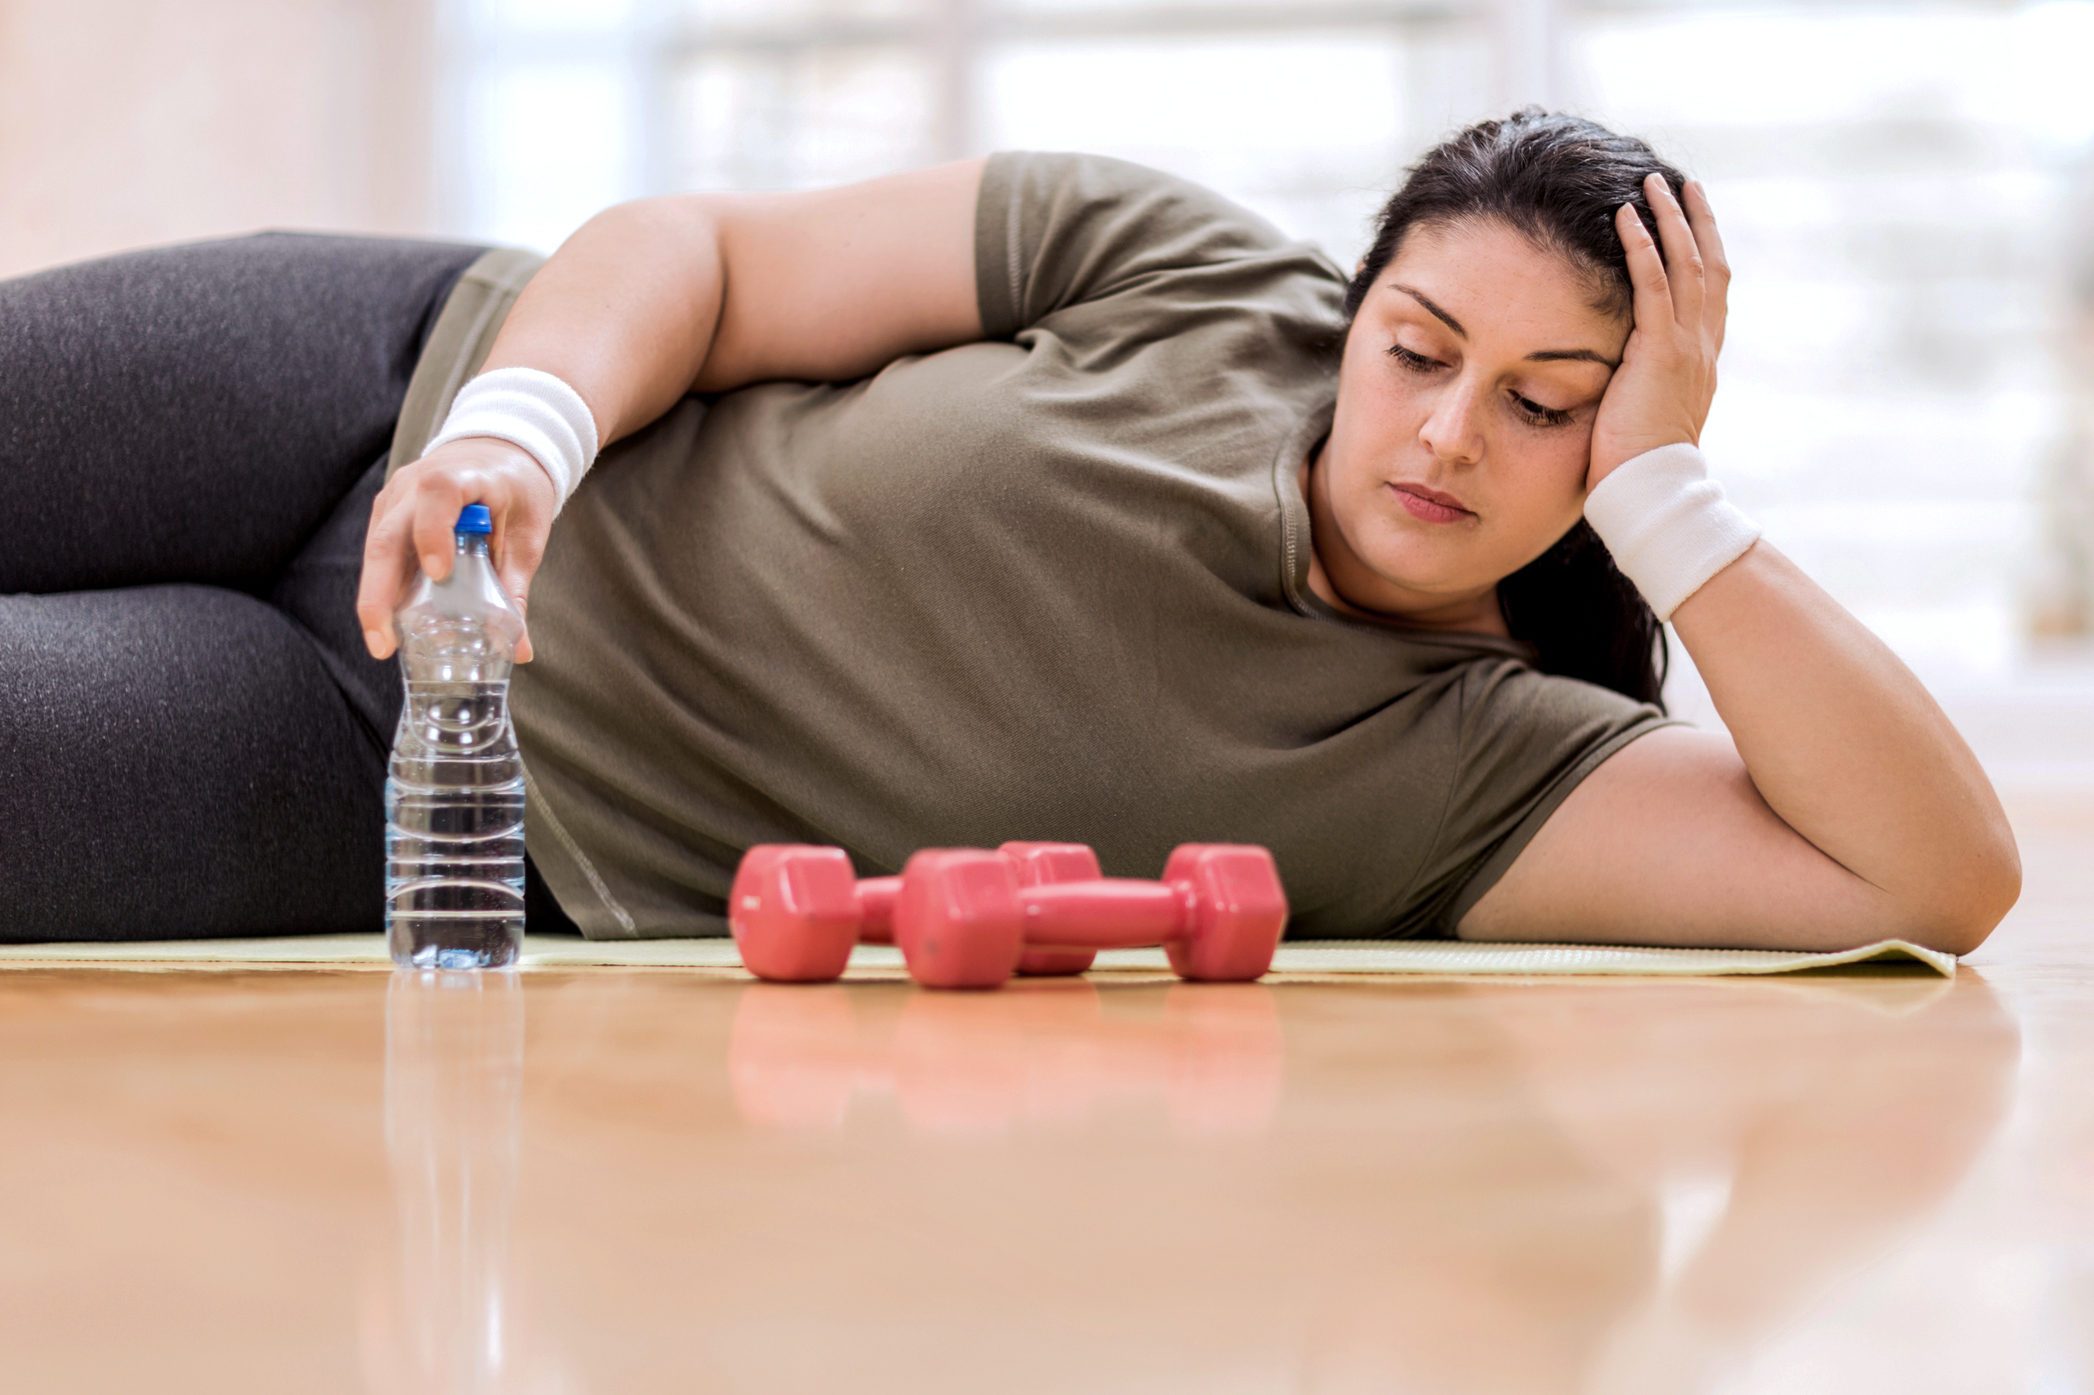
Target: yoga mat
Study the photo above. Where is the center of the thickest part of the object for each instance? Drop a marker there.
(1298, 957)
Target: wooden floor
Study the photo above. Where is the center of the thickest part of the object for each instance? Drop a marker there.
(630, 1181)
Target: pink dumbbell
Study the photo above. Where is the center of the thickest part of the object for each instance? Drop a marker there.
(1218, 912)
(797, 909)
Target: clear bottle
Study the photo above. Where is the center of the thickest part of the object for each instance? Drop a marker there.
(454, 793)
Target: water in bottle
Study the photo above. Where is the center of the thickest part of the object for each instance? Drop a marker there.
(454, 793)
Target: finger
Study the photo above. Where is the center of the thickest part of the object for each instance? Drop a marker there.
(1653, 297)
(519, 565)
(519, 536)
(521, 552)
(1716, 264)
(437, 503)
(1683, 262)
(388, 567)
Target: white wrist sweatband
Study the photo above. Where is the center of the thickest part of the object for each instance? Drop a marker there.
(1667, 524)
(532, 409)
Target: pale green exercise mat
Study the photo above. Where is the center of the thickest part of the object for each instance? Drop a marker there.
(1306, 957)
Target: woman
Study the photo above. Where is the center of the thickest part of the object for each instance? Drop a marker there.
(1047, 495)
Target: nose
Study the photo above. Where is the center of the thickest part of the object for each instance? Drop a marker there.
(1449, 431)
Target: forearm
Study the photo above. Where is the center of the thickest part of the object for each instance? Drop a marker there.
(624, 311)
(1846, 744)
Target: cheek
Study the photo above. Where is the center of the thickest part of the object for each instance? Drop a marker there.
(1557, 498)
(1570, 458)
(1538, 496)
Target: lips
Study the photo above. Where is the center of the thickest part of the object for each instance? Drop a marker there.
(1437, 496)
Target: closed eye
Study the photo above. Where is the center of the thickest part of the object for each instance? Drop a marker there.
(1533, 412)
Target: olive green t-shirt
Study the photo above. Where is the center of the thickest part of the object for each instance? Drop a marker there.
(1049, 585)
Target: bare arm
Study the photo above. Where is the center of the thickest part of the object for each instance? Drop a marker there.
(1842, 808)
(624, 310)
(1847, 746)
(656, 298)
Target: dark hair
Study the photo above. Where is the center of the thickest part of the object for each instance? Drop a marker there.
(1556, 179)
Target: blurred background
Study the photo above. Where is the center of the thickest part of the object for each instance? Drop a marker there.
(1906, 192)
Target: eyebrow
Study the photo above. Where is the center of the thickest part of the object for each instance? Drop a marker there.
(1538, 356)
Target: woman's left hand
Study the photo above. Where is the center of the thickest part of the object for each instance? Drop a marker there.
(1661, 392)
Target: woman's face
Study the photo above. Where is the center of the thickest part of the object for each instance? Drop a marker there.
(1472, 415)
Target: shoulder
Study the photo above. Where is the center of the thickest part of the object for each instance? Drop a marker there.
(1522, 740)
(1061, 227)
(1091, 183)
(1506, 696)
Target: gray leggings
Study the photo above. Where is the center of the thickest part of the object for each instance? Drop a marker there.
(193, 739)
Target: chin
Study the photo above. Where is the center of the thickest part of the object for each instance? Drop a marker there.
(1441, 557)
(1419, 579)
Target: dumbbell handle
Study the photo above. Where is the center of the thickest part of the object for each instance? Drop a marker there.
(876, 898)
(1105, 913)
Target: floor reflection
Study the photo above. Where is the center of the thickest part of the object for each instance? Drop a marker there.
(1659, 1206)
(454, 1067)
(675, 1181)
(1455, 1186)
(1035, 1055)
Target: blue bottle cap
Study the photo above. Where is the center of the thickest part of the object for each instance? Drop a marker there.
(474, 518)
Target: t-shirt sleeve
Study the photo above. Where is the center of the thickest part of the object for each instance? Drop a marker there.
(1058, 228)
(1527, 738)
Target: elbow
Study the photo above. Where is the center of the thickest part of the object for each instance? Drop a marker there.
(1963, 934)
(1958, 924)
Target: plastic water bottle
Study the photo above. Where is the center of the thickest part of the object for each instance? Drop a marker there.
(454, 793)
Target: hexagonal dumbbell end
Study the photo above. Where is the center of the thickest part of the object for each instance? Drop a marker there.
(794, 911)
(958, 920)
(1239, 910)
(1039, 864)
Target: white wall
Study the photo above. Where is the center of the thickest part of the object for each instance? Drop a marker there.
(129, 122)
